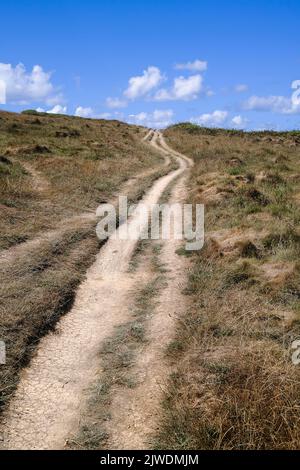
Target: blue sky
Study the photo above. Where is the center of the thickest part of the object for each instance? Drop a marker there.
(224, 63)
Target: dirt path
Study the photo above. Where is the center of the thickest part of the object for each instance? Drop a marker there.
(52, 391)
(148, 135)
(135, 412)
(39, 183)
(155, 142)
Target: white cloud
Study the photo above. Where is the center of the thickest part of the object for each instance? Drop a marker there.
(183, 89)
(24, 87)
(143, 84)
(115, 103)
(56, 99)
(2, 92)
(275, 103)
(84, 112)
(220, 118)
(158, 119)
(196, 66)
(239, 122)
(214, 119)
(159, 114)
(241, 88)
(57, 109)
(267, 103)
(140, 117)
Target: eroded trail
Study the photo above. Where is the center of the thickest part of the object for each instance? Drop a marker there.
(52, 392)
(135, 412)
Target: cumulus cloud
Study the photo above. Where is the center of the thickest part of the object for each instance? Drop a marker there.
(183, 89)
(144, 86)
(277, 104)
(57, 109)
(196, 66)
(239, 122)
(241, 88)
(157, 119)
(217, 118)
(24, 87)
(84, 112)
(141, 85)
(2, 92)
(140, 117)
(115, 103)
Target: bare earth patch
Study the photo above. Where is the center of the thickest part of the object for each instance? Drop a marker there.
(135, 413)
(277, 273)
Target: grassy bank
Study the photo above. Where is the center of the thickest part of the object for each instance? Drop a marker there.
(235, 386)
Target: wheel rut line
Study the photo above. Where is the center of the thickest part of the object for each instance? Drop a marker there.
(10, 254)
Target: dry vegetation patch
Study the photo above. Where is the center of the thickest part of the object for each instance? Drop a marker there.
(77, 163)
(235, 386)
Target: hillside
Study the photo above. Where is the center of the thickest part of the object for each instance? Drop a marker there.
(54, 172)
(55, 166)
(234, 385)
(160, 347)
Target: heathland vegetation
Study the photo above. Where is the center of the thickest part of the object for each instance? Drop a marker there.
(234, 384)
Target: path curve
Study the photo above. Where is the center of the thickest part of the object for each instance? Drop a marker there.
(8, 255)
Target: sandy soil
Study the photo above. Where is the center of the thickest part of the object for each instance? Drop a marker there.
(135, 412)
(39, 183)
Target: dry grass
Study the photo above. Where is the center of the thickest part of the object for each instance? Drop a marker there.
(35, 291)
(53, 168)
(235, 386)
(82, 162)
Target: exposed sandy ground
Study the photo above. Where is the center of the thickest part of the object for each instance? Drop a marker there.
(135, 412)
(52, 391)
(39, 183)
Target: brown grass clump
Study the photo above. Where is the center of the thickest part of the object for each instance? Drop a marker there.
(278, 273)
(234, 385)
(35, 291)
